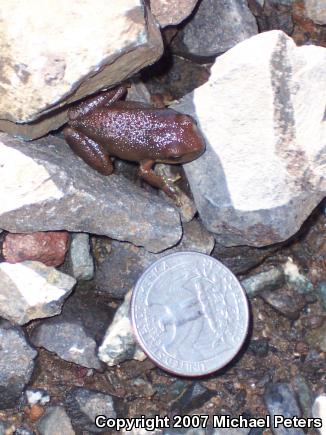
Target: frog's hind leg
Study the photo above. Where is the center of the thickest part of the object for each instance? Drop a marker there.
(94, 154)
(146, 172)
(102, 99)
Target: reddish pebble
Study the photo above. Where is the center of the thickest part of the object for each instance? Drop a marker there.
(48, 247)
(34, 413)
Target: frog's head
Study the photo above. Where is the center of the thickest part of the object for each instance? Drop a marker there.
(188, 143)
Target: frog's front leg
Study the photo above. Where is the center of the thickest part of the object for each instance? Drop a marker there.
(91, 152)
(146, 172)
(102, 99)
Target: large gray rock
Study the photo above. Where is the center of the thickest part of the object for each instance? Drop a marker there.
(16, 365)
(31, 290)
(85, 47)
(45, 186)
(217, 26)
(263, 115)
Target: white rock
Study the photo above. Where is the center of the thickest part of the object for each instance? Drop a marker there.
(31, 290)
(263, 115)
(319, 411)
(58, 52)
(316, 10)
(119, 344)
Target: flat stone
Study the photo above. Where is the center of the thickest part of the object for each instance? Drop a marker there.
(122, 263)
(262, 173)
(55, 421)
(31, 290)
(58, 191)
(119, 343)
(82, 263)
(316, 11)
(69, 340)
(217, 26)
(40, 78)
(171, 12)
(47, 247)
(16, 365)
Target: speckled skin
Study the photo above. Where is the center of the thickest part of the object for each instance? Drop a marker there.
(102, 126)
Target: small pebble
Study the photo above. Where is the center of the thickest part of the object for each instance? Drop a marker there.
(319, 411)
(81, 260)
(55, 421)
(48, 247)
(84, 405)
(264, 281)
(34, 412)
(280, 400)
(285, 301)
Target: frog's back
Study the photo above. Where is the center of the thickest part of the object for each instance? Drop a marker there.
(135, 131)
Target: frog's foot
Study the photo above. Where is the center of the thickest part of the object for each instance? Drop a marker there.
(146, 172)
(91, 152)
(91, 103)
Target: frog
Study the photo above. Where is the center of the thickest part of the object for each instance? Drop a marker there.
(105, 126)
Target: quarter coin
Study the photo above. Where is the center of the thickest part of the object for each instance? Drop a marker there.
(189, 313)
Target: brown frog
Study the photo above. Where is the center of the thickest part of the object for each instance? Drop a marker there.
(102, 126)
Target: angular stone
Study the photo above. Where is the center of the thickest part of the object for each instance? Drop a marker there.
(295, 278)
(267, 280)
(31, 290)
(119, 343)
(84, 405)
(47, 247)
(117, 272)
(217, 26)
(280, 400)
(316, 11)
(57, 190)
(171, 12)
(16, 365)
(69, 340)
(263, 115)
(286, 301)
(40, 78)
